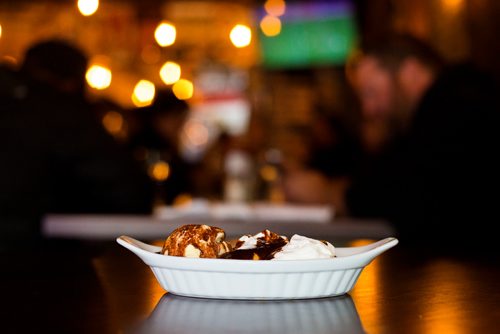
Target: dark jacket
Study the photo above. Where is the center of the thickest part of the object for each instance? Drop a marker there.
(438, 183)
(56, 157)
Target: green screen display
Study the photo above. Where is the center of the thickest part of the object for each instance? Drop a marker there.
(325, 35)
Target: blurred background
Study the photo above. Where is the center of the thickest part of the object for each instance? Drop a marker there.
(264, 71)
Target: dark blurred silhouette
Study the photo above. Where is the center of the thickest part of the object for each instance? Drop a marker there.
(335, 147)
(156, 142)
(209, 174)
(432, 169)
(56, 157)
(326, 149)
(116, 119)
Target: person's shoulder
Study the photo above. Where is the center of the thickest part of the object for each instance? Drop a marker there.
(463, 89)
(467, 74)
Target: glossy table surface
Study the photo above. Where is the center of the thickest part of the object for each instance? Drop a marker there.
(101, 287)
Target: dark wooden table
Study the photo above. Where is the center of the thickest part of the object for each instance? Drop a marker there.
(100, 287)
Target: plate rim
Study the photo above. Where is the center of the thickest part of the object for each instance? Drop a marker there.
(363, 256)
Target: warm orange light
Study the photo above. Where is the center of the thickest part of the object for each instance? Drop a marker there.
(275, 7)
(183, 89)
(270, 25)
(113, 122)
(170, 72)
(446, 297)
(369, 283)
(165, 34)
(9, 60)
(269, 173)
(452, 6)
(0, 31)
(240, 35)
(98, 77)
(160, 171)
(183, 200)
(88, 7)
(144, 93)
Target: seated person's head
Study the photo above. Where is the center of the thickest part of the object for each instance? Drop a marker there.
(56, 63)
(392, 75)
(390, 78)
(167, 115)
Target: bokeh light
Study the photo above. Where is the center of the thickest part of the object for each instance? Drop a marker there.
(275, 7)
(170, 72)
(159, 171)
(270, 25)
(98, 77)
(269, 173)
(113, 122)
(183, 89)
(144, 93)
(88, 7)
(241, 35)
(165, 34)
(196, 133)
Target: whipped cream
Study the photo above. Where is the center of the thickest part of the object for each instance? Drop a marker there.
(250, 241)
(261, 239)
(303, 248)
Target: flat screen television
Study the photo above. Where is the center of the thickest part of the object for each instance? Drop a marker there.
(315, 33)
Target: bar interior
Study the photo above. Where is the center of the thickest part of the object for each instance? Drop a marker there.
(286, 145)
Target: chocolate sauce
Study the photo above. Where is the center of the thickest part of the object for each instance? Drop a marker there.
(260, 252)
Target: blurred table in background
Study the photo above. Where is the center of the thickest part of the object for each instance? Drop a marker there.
(109, 227)
(237, 219)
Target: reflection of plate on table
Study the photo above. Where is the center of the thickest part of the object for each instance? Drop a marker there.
(175, 314)
(247, 279)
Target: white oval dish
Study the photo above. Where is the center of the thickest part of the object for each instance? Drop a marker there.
(247, 279)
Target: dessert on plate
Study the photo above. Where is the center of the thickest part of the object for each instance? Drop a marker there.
(261, 246)
(319, 270)
(192, 240)
(204, 241)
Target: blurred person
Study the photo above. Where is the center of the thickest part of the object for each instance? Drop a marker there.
(328, 149)
(10, 83)
(210, 173)
(432, 169)
(116, 120)
(56, 156)
(248, 148)
(295, 145)
(334, 146)
(156, 142)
